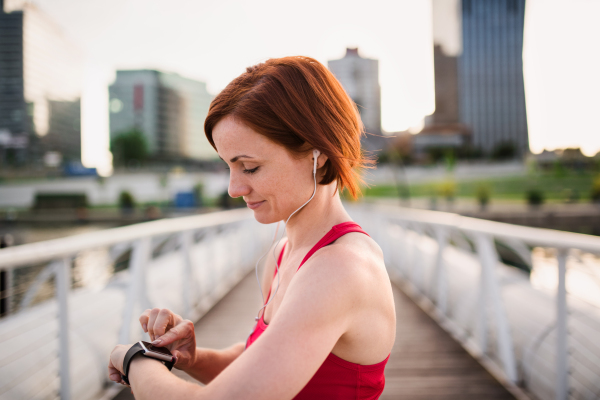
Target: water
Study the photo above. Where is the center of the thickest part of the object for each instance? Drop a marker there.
(582, 278)
(90, 269)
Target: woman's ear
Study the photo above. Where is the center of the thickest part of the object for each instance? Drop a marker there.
(321, 160)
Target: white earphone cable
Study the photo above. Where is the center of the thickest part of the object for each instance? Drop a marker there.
(315, 156)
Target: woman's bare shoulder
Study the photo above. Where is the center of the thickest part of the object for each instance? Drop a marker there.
(354, 257)
(359, 250)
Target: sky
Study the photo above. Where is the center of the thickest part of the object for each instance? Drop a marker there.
(213, 41)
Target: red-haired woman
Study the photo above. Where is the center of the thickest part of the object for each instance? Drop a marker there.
(291, 137)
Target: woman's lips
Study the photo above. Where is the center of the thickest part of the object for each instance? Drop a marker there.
(254, 205)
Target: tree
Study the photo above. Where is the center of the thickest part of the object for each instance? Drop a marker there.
(129, 147)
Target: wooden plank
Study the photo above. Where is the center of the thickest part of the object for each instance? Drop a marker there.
(426, 363)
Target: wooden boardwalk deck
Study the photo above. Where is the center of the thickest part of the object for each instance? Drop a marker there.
(426, 363)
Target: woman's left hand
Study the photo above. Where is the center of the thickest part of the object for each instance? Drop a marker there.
(115, 365)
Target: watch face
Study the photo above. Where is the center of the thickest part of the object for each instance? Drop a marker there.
(155, 349)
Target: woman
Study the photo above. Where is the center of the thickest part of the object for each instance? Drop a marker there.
(282, 127)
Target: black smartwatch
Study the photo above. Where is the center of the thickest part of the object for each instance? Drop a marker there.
(161, 354)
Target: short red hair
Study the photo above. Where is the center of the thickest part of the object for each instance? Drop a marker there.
(298, 103)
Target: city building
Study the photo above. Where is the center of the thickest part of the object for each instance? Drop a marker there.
(478, 70)
(490, 74)
(360, 78)
(445, 69)
(167, 108)
(442, 129)
(40, 88)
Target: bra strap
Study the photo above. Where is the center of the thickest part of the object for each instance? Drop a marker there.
(334, 234)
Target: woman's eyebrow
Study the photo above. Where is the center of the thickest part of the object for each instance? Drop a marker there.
(234, 159)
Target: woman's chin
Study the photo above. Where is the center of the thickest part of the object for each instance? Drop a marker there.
(264, 218)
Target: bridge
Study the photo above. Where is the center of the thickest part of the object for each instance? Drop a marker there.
(472, 321)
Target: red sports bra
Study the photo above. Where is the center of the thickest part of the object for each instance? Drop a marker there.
(336, 378)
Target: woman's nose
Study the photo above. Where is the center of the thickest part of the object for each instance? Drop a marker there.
(237, 186)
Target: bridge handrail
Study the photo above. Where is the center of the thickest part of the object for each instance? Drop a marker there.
(534, 236)
(16, 256)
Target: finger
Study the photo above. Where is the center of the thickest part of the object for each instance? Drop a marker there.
(144, 319)
(177, 355)
(153, 314)
(163, 322)
(113, 373)
(183, 330)
(177, 319)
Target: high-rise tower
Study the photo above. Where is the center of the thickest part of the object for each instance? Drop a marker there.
(40, 88)
(490, 73)
(360, 78)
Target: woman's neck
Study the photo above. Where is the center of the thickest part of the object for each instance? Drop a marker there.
(316, 218)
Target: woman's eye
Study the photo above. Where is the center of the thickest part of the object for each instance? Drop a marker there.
(250, 171)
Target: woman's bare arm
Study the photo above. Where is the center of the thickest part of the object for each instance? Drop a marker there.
(210, 362)
(317, 310)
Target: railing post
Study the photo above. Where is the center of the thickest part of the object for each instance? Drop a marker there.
(186, 246)
(562, 377)
(8, 291)
(6, 277)
(63, 286)
(482, 327)
(418, 258)
(213, 261)
(402, 259)
(440, 284)
(489, 262)
(136, 292)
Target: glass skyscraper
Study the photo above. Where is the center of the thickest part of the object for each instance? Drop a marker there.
(490, 73)
(40, 88)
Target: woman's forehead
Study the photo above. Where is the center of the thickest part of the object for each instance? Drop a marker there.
(231, 137)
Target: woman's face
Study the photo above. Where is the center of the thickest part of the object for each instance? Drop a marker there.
(272, 181)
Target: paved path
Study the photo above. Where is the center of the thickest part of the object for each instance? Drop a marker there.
(426, 363)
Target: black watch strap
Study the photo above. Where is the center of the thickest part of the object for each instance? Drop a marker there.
(131, 353)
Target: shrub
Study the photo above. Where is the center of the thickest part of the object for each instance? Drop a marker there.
(596, 190)
(535, 197)
(448, 190)
(129, 148)
(126, 200)
(199, 194)
(483, 195)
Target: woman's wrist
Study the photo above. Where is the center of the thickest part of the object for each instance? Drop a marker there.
(198, 360)
(140, 367)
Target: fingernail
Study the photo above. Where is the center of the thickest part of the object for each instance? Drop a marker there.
(157, 342)
(145, 328)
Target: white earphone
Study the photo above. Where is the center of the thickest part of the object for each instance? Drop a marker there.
(316, 154)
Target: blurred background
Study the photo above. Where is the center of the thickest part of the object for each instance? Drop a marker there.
(486, 109)
(483, 109)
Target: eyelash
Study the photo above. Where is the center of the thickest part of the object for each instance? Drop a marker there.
(250, 171)
(246, 171)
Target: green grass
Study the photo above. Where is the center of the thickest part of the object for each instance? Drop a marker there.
(554, 188)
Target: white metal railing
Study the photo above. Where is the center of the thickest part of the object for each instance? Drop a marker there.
(448, 263)
(59, 347)
(545, 342)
